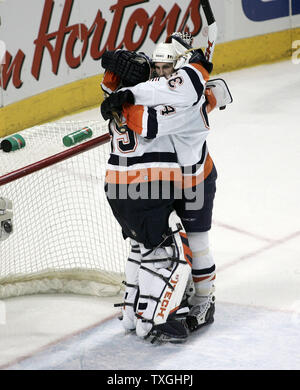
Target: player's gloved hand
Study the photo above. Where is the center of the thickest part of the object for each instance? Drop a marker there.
(114, 102)
(198, 56)
(132, 67)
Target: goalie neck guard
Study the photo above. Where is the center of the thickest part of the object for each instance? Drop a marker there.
(164, 52)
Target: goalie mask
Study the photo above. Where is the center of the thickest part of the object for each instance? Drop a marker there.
(174, 51)
(178, 50)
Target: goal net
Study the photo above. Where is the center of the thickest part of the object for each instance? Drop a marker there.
(65, 238)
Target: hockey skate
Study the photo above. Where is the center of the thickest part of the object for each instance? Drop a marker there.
(171, 331)
(201, 314)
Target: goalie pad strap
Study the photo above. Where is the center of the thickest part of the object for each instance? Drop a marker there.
(144, 319)
(130, 285)
(165, 279)
(172, 259)
(150, 297)
(134, 250)
(135, 246)
(155, 260)
(147, 253)
(132, 260)
(123, 304)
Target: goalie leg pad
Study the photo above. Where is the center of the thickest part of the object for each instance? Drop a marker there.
(131, 290)
(162, 279)
(153, 276)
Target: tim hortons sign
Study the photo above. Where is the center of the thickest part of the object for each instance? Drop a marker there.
(130, 32)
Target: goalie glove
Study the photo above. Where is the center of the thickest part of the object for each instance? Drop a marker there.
(182, 44)
(113, 103)
(198, 56)
(133, 68)
(221, 92)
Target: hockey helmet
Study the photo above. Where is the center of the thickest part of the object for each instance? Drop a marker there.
(164, 52)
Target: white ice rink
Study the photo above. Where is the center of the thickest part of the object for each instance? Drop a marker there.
(255, 238)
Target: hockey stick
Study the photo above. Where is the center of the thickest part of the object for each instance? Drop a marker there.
(121, 127)
(212, 30)
(212, 33)
(212, 37)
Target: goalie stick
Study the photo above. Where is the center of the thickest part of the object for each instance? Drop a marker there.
(212, 33)
(121, 127)
(212, 30)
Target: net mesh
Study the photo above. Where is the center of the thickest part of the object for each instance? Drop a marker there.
(65, 238)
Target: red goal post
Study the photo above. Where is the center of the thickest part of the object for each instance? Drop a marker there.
(65, 238)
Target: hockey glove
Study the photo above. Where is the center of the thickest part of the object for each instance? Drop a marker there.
(221, 92)
(198, 56)
(132, 67)
(182, 43)
(114, 102)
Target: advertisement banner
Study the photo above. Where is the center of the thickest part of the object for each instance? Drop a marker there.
(47, 44)
(54, 42)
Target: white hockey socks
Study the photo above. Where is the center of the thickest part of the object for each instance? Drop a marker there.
(202, 303)
(203, 269)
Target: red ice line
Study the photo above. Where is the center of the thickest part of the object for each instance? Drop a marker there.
(238, 230)
(272, 244)
(55, 342)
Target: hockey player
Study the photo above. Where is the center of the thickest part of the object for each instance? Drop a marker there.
(199, 173)
(159, 264)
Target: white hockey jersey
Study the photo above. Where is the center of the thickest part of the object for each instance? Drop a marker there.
(170, 126)
(135, 159)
